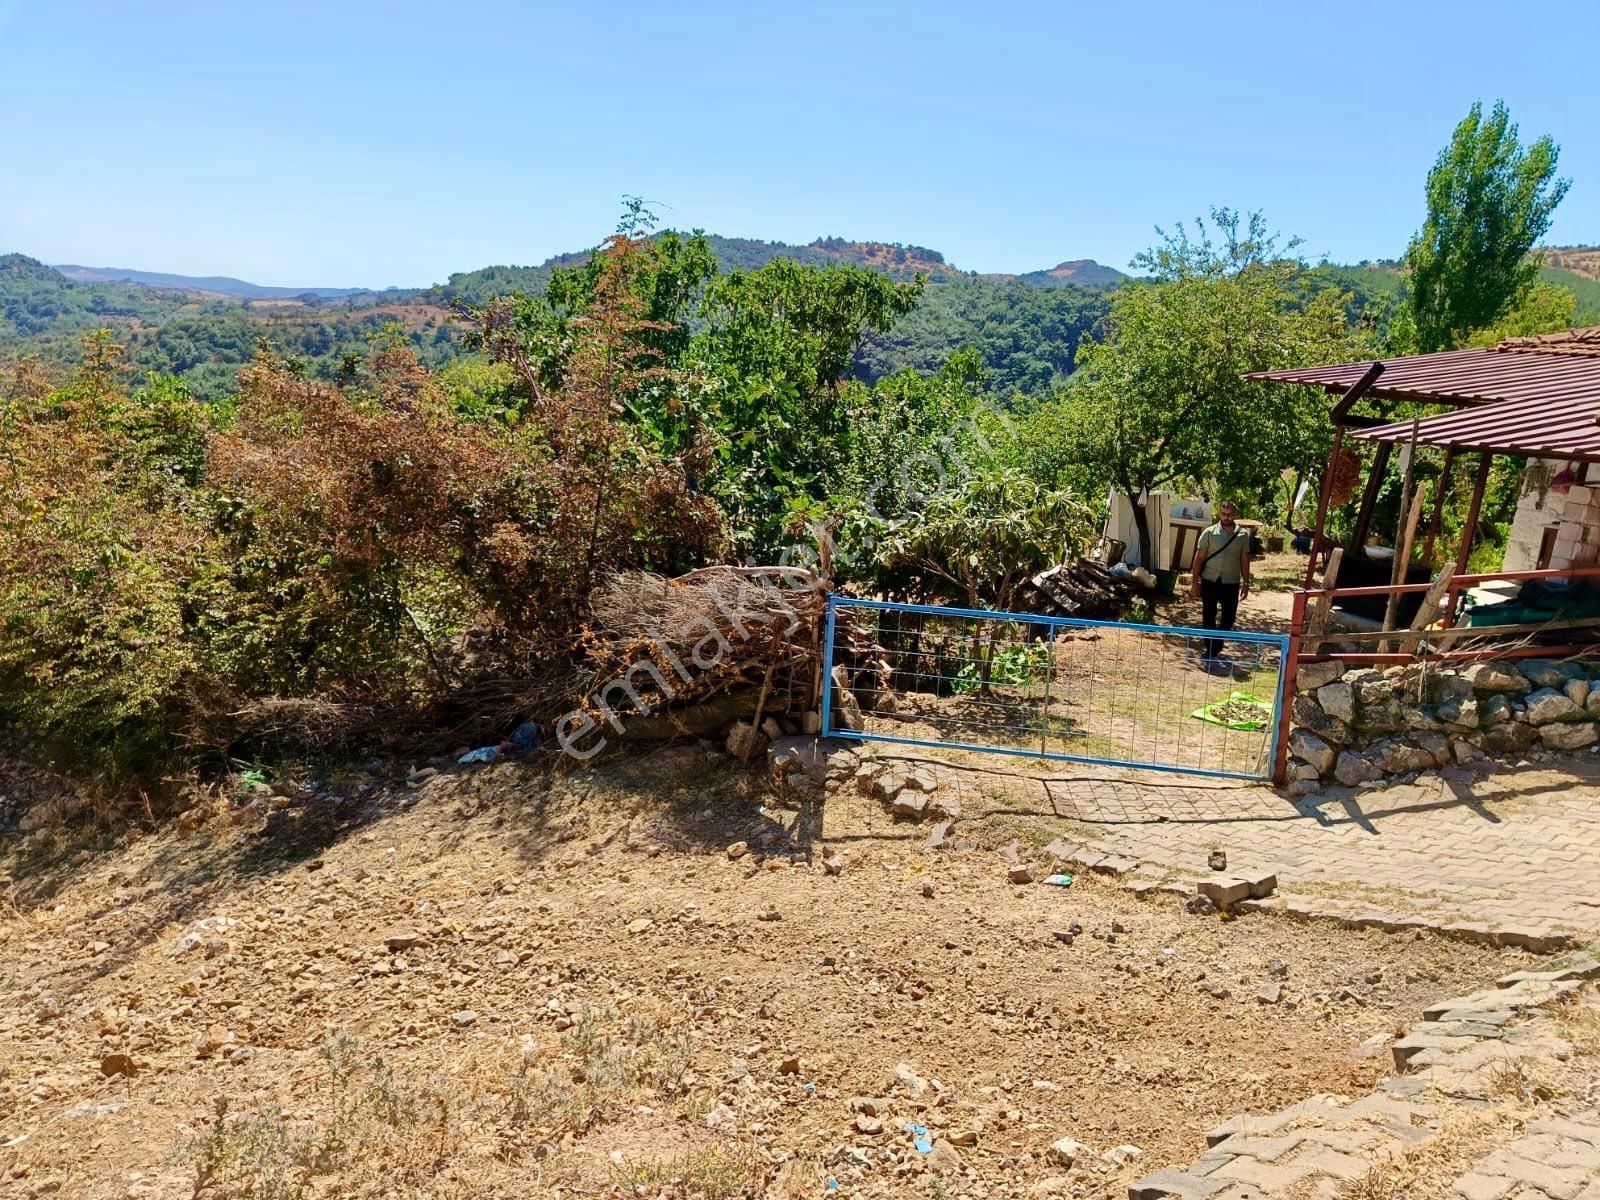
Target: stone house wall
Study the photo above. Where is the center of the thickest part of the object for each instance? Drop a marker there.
(1358, 725)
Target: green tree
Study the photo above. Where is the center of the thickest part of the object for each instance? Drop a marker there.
(1163, 401)
(1490, 199)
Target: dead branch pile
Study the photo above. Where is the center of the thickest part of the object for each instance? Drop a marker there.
(1083, 588)
(655, 643)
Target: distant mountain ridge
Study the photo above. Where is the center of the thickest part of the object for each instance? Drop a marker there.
(894, 259)
(219, 285)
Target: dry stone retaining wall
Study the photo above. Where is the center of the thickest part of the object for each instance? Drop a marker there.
(1355, 725)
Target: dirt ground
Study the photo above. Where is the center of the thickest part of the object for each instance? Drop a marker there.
(505, 981)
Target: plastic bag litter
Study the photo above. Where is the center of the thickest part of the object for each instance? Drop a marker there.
(483, 754)
(1232, 713)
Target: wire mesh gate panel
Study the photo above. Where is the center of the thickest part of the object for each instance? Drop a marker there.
(1109, 692)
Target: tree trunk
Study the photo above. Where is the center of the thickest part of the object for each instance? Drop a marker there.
(1141, 522)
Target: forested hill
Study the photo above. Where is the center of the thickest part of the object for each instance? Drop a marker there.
(1026, 328)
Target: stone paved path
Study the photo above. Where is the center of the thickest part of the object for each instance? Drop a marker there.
(1518, 849)
(1464, 1065)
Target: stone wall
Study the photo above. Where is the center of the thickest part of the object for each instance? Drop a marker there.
(1358, 725)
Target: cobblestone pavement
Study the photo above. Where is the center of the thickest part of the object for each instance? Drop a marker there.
(1471, 1068)
(1517, 849)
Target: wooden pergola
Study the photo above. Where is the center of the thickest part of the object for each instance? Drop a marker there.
(1528, 397)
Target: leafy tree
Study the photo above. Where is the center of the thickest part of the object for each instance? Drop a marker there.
(1490, 199)
(1163, 400)
(1543, 308)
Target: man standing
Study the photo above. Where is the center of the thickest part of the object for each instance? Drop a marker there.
(1221, 575)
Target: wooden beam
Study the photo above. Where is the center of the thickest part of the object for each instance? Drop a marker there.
(1428, 612)
(1402, 552)
(1341, 408)
(1380, 464)
(1317, 623)
(1438, 505)
(1474, 510)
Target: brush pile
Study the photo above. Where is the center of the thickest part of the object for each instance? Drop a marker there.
(731, 641)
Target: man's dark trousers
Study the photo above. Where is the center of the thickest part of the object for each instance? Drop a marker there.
(1219, 604)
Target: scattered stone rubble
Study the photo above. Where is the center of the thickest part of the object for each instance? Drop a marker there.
(1449, 1062)
(1357, 726)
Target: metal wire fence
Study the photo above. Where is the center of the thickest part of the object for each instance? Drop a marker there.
(1107, 692)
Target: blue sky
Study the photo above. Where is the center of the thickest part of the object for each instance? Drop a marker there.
(344, 144)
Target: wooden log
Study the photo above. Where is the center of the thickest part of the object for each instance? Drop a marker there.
(1432, 602)
(1402, 553)
(1317, 624)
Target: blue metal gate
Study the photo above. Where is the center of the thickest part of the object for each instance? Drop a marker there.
(1116, 693)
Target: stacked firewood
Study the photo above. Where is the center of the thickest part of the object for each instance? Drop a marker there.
(1082, 588)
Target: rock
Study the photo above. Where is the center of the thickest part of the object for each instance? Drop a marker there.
(1068, 1151)
(789, 1065)
(745, 741)
(1300, 771)
(1592, 704)
(906, 1077)
(873, 1106)
(1548, 673)
(1436, 745)
(1121, 1156)
(1461, 712)
(464, 1019)
(1338, 700)
(1547, 705)
(1065, 937)
(964, 1138)
(1577, 690)
(1495, 710)
(943, 808)
(1568, 736)
(921, 780)
(943, 1158)
(1270, 994)
(1308, 714)
(1396, 756)
(887, 784)
(1200, 906)
(868, 1126)
(1464, 751)
(1278, 969)
(846, 709)
(810, 722)
(833, 864)
(1020, 874)
(638, 926)
(112, 1065)
(1217, 860)
(212, 1040)
(1487, 678)
(927, 891)
(1352, 769)
(403, 939)
(910, 805)
(1312, 676)
(1511, 738)
(1308, 746)
(1305, 787)
(738, 850)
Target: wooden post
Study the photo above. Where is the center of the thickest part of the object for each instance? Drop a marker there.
(1432, 601)
(1380, 464)
(1337, 414)
(1402, 557)
(1438, 505)
(1485, 459)
(1318, 624)
(1291, 674)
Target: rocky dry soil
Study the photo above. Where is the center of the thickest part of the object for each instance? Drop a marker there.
(656, 978)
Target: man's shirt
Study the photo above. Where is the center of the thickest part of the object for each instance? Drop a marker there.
(1223, 558)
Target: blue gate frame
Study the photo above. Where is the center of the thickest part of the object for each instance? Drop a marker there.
(829, 729)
